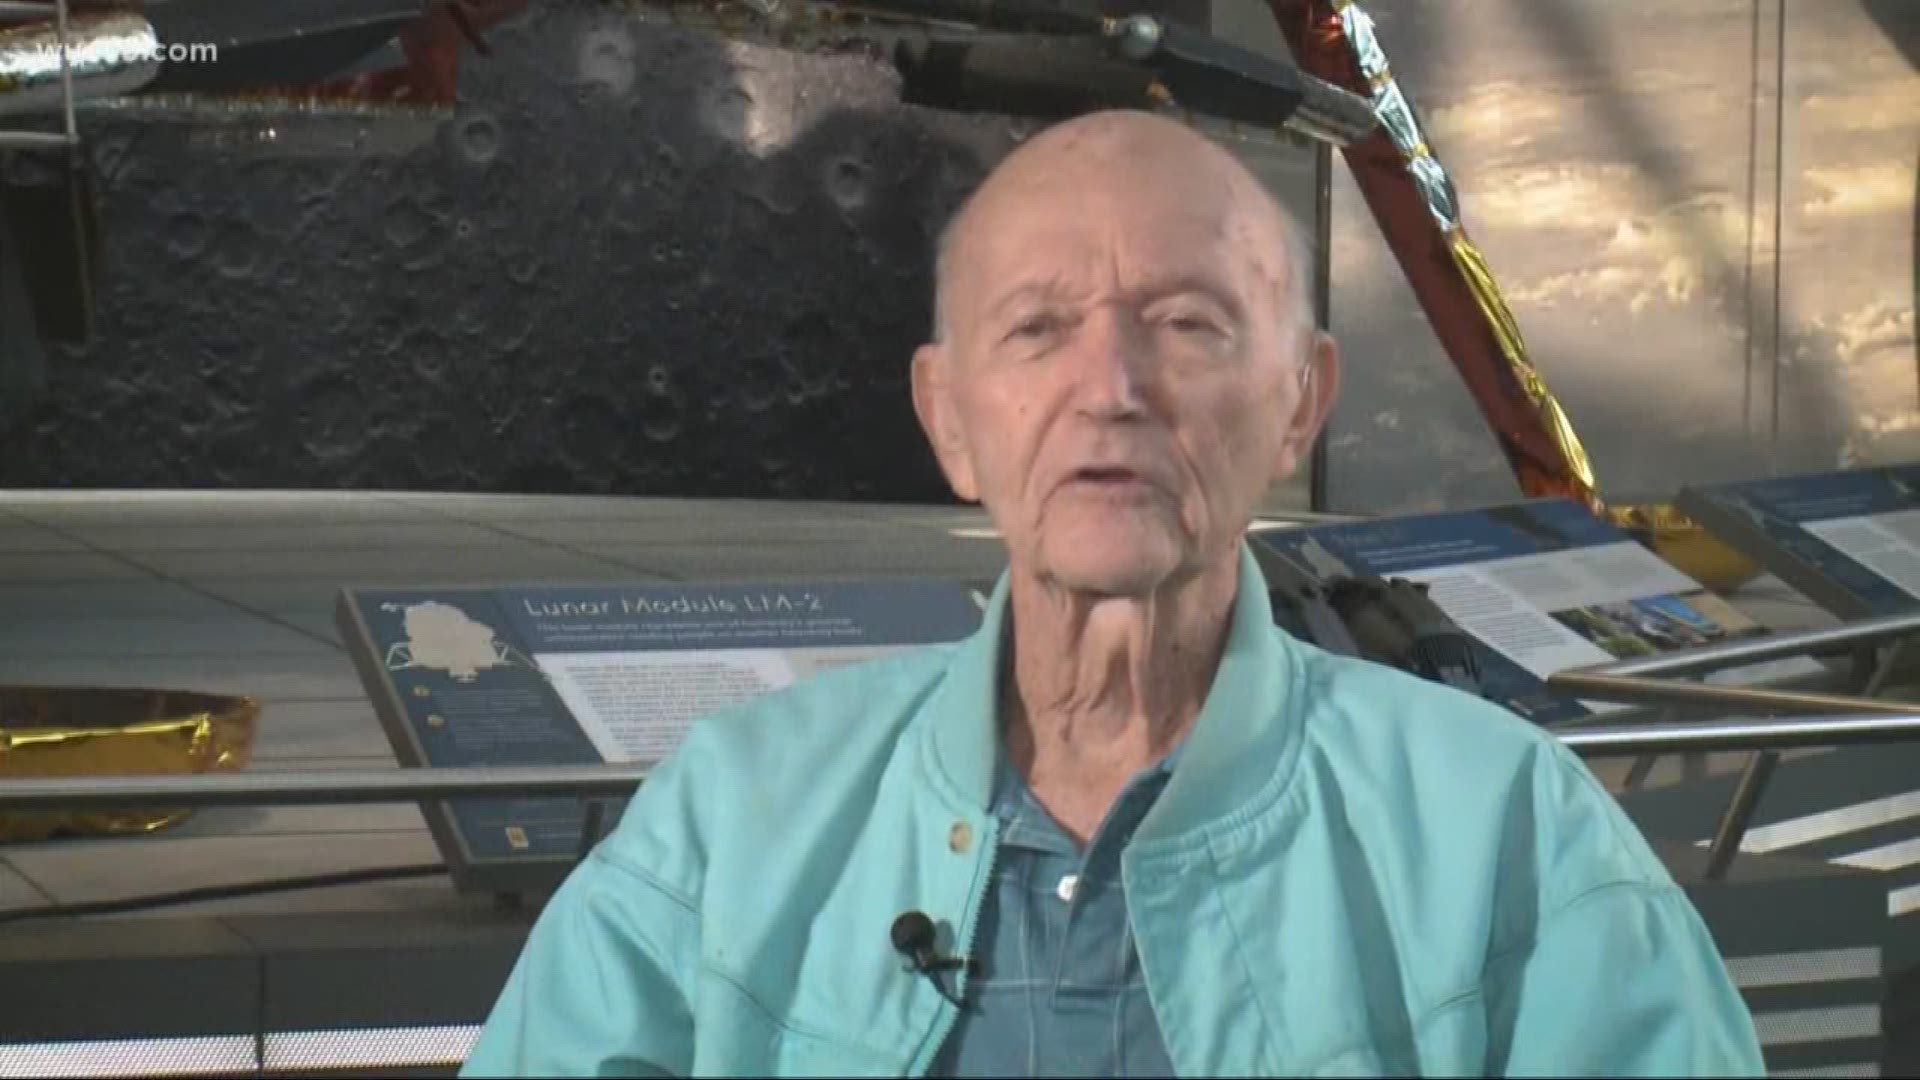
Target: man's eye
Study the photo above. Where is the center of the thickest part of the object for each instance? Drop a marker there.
(1190, 323)
(1035, 326)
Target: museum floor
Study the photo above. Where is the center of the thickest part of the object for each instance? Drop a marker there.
(233, 593)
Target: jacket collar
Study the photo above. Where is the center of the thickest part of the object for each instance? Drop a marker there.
(1240, 751)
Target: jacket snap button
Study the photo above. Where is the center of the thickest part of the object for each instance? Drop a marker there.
(960, 837)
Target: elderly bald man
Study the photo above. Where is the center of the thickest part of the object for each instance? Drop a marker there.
(1129, 828)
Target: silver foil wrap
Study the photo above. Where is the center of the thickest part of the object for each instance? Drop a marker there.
(1442, 202)
(1397, 116)
(106, 56)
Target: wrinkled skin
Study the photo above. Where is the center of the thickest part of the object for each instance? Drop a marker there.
(1124, 369)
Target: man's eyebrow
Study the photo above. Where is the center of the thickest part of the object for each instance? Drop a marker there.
(1213, 288)
(1047, 288)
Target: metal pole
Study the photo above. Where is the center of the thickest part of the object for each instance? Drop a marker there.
(1626, 740)
(1739, 813)
(1897, 658)
(1641, 769)
(1318, 466)
(1603, 685)
(1728, 654)
(610, 781)
(320, 788)
(36, 140)
(66, 77)
(32, 140)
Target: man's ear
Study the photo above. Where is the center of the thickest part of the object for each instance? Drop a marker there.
(1319, 390)
(933, 403)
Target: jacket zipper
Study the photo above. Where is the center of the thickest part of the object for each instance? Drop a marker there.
(949, 1016)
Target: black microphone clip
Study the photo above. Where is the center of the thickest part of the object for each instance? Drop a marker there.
(914, 937)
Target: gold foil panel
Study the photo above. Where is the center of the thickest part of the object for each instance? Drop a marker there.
(1321, 31)
(47, 732)
(1507, 330)
(1686, 545)
(1443, 205)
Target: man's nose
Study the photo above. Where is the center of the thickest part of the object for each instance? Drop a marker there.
(1112, 365)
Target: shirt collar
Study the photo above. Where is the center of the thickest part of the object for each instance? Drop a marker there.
(1025, 820)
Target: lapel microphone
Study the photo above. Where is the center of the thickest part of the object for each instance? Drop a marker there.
(913, 937)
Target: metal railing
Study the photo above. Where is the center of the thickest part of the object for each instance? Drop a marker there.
(1845, 721)
(69, 136)
(602, 781)
(329, 788)
(1651, 681)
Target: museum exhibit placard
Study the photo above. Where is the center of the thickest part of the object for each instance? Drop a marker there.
(581, 675)
(1849, 541)
(1544, 585)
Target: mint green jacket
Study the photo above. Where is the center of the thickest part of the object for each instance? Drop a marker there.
(1352, 872)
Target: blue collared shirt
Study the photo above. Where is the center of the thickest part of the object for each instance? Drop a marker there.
(1060, 991)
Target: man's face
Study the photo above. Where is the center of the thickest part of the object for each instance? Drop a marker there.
(1121, 381)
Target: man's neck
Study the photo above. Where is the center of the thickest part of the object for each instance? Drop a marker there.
(1100, 688)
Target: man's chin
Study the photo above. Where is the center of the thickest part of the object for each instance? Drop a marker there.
(1114, 573)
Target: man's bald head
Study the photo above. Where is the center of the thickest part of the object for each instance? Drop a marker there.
(1131, 150)
(1129, 363)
